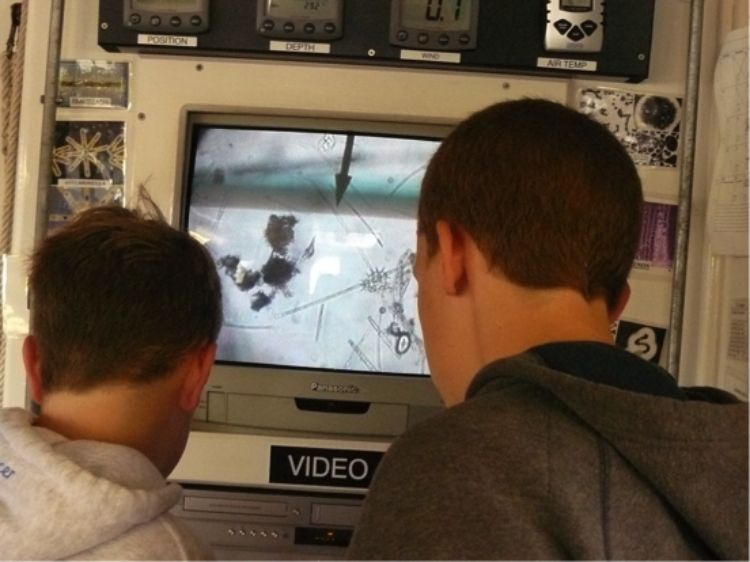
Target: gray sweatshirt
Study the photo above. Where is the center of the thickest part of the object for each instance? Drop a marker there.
(539, 464)
(83, 499)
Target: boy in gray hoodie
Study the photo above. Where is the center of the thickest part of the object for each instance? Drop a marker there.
(125, 311)
(555, 444)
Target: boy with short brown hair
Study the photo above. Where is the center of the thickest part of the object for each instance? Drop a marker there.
(556, 444)
(125, 312)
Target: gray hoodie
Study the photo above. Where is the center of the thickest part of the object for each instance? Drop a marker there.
(539, 464)
(83, 499)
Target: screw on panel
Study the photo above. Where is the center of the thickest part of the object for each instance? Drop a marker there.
(371, 52)
(506, 85)
(142, 116)
(104, 25)
(641, 56)
(198, 67)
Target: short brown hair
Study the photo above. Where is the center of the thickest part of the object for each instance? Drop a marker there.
(550, 196)
(118, 296)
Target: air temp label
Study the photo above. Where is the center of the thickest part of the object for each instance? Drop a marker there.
(567, 64)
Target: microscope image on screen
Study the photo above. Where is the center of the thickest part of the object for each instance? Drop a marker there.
(313, 234)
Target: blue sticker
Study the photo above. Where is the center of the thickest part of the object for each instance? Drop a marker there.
(6, 471)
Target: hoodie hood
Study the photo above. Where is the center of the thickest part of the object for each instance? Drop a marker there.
(60, 497)
(693, 453)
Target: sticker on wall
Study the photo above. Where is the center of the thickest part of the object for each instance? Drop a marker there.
(728, 199)
(648, 126)
(92, 83)
(656, 249)
(734, 372)
(88, 164)
(645, 341)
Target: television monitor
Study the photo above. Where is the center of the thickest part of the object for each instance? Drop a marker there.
(311, 222)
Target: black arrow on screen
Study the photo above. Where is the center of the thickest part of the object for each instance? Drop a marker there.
(343, 178)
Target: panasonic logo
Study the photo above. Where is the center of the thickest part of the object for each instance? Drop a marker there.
(337, 388)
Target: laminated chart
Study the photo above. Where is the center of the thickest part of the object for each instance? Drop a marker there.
(728, 198)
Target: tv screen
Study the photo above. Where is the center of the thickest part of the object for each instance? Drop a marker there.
(313, 231)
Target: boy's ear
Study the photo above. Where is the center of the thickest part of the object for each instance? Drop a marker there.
(452, 249)
(33, 365)
(620, 304)
(198, 368)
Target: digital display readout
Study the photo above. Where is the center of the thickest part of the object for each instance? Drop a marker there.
(303, 9)
(576, 5)
(166, 5)
(440, 15)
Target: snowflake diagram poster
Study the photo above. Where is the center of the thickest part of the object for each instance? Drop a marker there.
(88, 165)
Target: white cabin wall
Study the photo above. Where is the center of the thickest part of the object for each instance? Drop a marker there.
(164, 88)
(713, 280)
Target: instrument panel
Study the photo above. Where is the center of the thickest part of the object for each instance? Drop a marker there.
(609, 38)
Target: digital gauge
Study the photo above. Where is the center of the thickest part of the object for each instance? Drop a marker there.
(574, 26)
(447, 25)
(166, 16)
(314, 20)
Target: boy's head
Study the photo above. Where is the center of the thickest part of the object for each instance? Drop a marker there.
(118, 296)
(550, 197)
